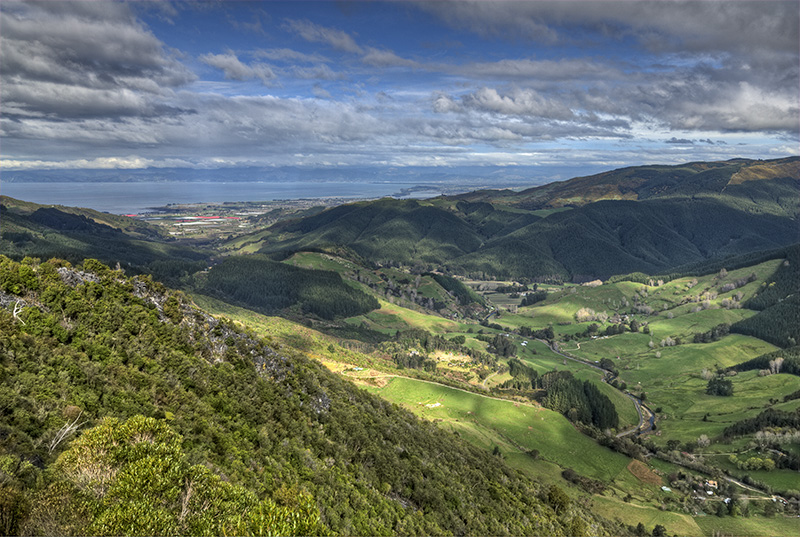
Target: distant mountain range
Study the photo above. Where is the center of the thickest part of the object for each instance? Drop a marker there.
(647, 219)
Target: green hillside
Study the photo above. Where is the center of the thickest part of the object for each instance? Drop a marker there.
(32, 230)
(738, 178)
(269, 286)
(649, 219)
(82, 346)
(508, 398)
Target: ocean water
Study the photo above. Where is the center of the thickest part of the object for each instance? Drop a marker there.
(138, 197)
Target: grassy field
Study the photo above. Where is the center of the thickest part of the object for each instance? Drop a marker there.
(748, 527)
(670, 376)
(391, 317)
(561, 306)
(517, 428)
(489, 422)
(315, 260)
(676, 523)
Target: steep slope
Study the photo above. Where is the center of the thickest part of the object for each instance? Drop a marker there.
(401, 231)
(78, 344)
(613, 237)
(778, 304)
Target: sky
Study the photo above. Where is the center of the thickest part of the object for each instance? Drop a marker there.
(552, 87)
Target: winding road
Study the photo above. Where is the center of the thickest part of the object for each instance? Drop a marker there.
(647, 418)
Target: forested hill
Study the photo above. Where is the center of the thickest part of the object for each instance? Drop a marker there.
(737, 177)
(126, 410)
(30, 229)
(649, 219)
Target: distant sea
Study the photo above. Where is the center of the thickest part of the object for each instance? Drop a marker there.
(139, 197)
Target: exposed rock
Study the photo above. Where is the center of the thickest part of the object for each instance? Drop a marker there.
(73, 278)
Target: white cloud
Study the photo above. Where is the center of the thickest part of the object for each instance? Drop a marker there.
(519, 102)
(386, 58)
(103, 163)
(549, 70)
(699, 25)
(320, 34)
(234, 69)
(289, 55)
(52, 65)
(321, 92)
(64, 96)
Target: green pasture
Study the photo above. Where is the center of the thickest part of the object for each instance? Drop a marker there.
(391, 317)
(676, 523)
(780, 480)
(561, 306)
(546, 360)
(674, 383)
(320, 261)
(627, 346)
(502, 300)
(679, 361)
(524, 426)
(688, 324)
(748, 527)
(563, 323)
(685, 404)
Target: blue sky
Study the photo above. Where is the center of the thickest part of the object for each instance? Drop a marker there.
(554, 88)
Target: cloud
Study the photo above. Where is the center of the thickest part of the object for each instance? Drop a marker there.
(52, 64)
(551, 70)
(320, 34)
(130, 162)
(315, 72)
(518, 102)
(289, 55)
(694, 65)
(234, 69)
(67, 100)
(668, 25)
(386, 58)
(443, 104)
(321, 92)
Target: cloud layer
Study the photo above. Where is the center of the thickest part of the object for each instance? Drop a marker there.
(95, 84)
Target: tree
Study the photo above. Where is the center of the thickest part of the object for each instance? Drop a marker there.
(557, 499)
(720, 386)
(659, 531)
(132, 477)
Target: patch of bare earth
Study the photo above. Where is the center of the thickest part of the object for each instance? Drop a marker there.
(643, 473)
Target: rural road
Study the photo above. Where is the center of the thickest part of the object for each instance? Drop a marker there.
(646, 417)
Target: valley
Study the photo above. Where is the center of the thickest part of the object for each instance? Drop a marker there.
(606, 352)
